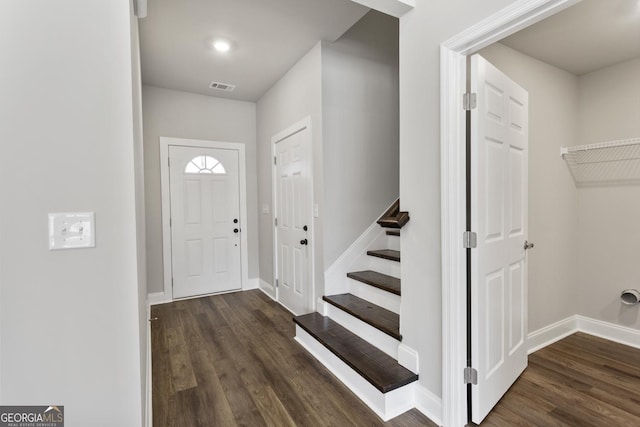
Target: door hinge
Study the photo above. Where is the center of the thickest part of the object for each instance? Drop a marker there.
(276, 221)
(469, 101)
(170, 222)
(469, 240)
(169, 161)
(277, 283)
(275, 161)
(470, 376)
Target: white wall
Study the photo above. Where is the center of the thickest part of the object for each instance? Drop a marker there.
(553, 199)
(608, 244)
(186, 115)
(296, 95)
(70, 331)
(421, 32)
(360, 129)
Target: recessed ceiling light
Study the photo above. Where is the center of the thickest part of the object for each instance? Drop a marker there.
(222, 45)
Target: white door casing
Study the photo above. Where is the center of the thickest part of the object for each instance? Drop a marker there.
(293, 199)
(227, 270)
(499, 152)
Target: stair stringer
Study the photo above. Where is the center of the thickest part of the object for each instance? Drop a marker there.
(385, 405)
(355, 258)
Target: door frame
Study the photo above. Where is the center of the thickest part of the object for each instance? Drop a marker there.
(165, 142)
(453, 157)
(287, 132)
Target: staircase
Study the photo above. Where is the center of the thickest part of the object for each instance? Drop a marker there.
(356, 333)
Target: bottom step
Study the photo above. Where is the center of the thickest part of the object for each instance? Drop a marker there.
(386, 405)
(381, 370)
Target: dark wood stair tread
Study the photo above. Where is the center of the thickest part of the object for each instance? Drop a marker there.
(393, 217)
(376, 316)
(378, 280)
(395, 232)
(386, 254)
(378, 368)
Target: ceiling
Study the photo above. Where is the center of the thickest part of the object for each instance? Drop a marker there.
(586, 37)
(269, 37)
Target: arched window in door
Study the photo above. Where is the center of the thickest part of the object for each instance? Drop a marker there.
(204, 165)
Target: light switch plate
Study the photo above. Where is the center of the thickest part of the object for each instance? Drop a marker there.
(71, 230)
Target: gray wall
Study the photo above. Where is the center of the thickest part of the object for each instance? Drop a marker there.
(185, 115)
(609, 225)
(360, 129)
(296, 95)
(553, 199)
(422, 31)
(70, 331)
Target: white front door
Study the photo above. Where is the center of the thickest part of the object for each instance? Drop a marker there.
(293, 213)
(499, 150)
(205, 220)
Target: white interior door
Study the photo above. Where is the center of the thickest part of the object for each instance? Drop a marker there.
(293, 230)
(205, 220)
(499, 150)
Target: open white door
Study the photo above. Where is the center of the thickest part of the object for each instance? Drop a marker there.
(499, 150)
(205, 220)
(293, 199)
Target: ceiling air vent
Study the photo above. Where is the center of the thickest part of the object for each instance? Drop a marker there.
(222, 86)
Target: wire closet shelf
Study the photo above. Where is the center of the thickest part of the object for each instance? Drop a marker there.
(613, 162)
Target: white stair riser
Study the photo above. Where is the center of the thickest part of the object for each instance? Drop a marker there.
(393, 242)
(373, 336)
(385, 405)
(374, 295)
(384, 266)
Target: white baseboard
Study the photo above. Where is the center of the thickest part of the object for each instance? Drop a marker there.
(429, 404)
(251, 284)
(610, 331)
(576, 323)
(267, 288)
(155, 298)
(408, 358)
(385, 405)
(551, 333)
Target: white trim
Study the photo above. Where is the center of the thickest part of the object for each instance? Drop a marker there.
(547, 335)
(453, 71)
(429, 404)
(268, 289)
(395, 8)
(609, 331)
(165, 142)
(156, 298)
(408, 357)
(149, 393)
(543, 337)
(385, 405)
(293, 129)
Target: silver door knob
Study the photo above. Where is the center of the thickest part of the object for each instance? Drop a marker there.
(527, 245)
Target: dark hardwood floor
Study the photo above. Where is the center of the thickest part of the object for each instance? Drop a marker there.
(580, 381)
(230, 360)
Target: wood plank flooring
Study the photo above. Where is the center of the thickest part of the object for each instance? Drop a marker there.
(230, 360)
(581, 381)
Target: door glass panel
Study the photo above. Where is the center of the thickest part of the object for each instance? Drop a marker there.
(205, 165)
